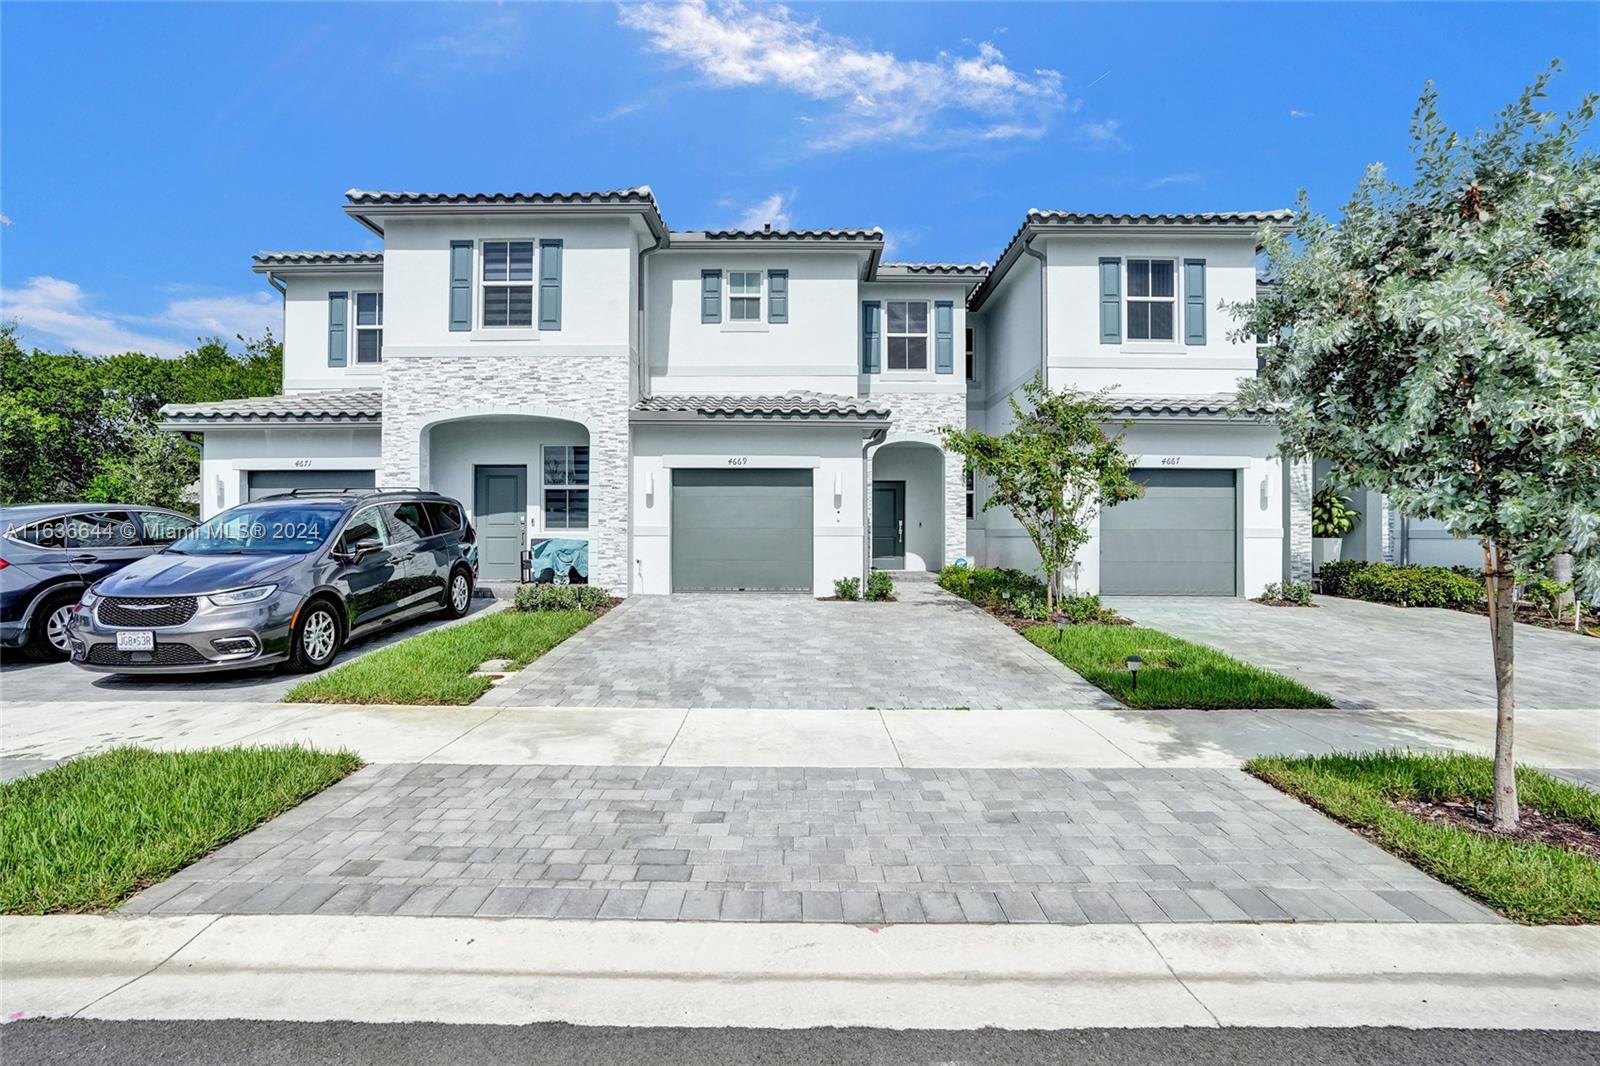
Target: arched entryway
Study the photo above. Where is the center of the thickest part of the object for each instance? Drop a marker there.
(908, 506)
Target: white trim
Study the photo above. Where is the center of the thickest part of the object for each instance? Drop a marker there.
(728, 296)
(245, 466)
(568, 487)
(926, 335)
(1128, 300)
(480, 283)
(353, 358)
(1189, 461)
(719, 461)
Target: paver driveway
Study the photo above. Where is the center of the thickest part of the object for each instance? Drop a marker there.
(1374, 655)
(927, 649)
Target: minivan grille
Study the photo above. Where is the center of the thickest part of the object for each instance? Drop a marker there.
(106, 654)
(146, 612)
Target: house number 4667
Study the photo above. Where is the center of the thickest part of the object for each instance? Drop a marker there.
(1170, 460)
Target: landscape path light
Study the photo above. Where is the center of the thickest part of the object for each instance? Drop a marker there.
(1133, 662)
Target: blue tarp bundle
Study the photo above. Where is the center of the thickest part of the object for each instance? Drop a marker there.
(554, 560)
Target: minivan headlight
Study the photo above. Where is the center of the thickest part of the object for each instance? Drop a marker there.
(238, 596)
(86, 602)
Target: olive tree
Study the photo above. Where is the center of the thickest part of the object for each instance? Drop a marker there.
(1053, 470)
(1441, 344)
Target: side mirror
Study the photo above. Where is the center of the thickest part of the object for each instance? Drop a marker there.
(359, 551)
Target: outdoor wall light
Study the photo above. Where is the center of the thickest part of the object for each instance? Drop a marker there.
(1133, 662)
(838, 490)
(650, 488)
(1265, 495)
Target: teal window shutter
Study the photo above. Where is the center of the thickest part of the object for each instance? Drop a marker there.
(711, 296)
(871, 336)
(460, 286)
(944, 337)
(1110, 301)
(777, 296)
(338, 327)
(1194, 301)
(549, 284)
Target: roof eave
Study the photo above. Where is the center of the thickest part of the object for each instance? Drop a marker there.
(315, 268)
(681, 418)
(366, 213)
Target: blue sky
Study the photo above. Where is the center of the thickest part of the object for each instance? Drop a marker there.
(150, 149)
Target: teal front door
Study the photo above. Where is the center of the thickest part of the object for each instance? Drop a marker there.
(889, 525)
(500, 505)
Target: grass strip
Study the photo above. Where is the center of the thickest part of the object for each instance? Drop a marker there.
(87, 834)
(436, 667)
(1176, 673)
(1527, 881)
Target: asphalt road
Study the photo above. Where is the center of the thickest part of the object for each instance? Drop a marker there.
(221, 1042)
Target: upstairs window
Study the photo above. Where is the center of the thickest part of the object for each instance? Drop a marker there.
(907, 335)
(972, 493)
(369, 327)
(744, 296)
(507, 283)
(566, 486)
(1152, 299)
(972, 365)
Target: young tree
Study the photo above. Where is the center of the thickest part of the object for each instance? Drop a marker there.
(1441, 344)
(1053, 470)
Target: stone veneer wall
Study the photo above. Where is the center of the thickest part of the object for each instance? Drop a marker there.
(1298, 485)
(424, 389)
(921, 416)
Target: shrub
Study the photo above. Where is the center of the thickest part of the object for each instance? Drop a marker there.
(1331, 513)
(1296, 592)
(986, 585)
(1546, 594)
(1085, 609)
(1414, 586)
(880, 586)
(847, 588)
(561, 598)
(1336, 575)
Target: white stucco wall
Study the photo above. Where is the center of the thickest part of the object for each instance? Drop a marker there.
(832, 453)
(230, 454)
(305, 332)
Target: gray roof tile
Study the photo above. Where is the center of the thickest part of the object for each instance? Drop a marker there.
(380, 198)
(272, 259)
(787, 405)
(970, 271)
(355, 406)
(1205, 405)
(873, 234)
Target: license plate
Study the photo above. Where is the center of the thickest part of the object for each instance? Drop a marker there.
(136, 640)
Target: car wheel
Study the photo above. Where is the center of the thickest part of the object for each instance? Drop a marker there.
(458, 597)
(48, 641)
(316, 637)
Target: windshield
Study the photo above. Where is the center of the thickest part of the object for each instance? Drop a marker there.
(263, 529)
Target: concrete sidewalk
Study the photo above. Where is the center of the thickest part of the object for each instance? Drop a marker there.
(34, 734)
(466, 970)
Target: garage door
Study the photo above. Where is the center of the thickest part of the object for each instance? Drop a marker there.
(1179, 538)
(264, 483)
(741, 530)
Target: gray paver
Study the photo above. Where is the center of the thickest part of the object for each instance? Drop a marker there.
(809, 844)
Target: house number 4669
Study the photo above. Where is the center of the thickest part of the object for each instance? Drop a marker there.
(738, 460)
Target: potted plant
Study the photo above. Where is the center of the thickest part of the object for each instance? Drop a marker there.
(1332, 516)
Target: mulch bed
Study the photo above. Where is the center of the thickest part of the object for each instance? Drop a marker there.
(1263, 601)
(1535, 827)
(1018, 623)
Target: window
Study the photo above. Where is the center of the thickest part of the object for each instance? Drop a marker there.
(369, 327)
(103, 529)
(744, 296)
(566, 486)
(972, 495)
(407, 520)
(163, 528)
(1151, 299)
(365, 525)
(446, 517)
(51, 534)
(908, 335)
(507, 283)
(972, 375)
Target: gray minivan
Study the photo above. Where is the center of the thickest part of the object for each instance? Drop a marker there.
(288, 579)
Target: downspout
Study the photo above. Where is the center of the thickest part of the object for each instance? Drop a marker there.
(872, 440)
(644, 323)
(1044, 308)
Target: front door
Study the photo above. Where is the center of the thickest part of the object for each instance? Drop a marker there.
(889, 525)
(501, 508)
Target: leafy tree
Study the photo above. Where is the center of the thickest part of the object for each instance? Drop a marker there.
(74, 426)
(1053, 470)
(1442, 345)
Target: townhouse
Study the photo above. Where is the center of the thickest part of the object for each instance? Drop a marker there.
(760, 411)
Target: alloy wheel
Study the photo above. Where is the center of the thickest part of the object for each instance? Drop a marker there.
(55, 627)
(319, 636)
(460, 592)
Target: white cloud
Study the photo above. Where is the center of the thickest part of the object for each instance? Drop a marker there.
(1186, 177)
(1102, 134)
(1297, 113)
(774, 211)
(875, 94)
(56, 313)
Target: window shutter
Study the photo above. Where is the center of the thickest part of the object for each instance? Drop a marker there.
(550, 284)
(338, 325)
(1194, 301)
(777, 296)
(871, 336)
(944, 338)
(1110, 301)
(460, 285)
(711, 296)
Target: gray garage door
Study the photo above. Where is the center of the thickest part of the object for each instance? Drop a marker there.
(271, 482)
(1179, 538)
(741, 530)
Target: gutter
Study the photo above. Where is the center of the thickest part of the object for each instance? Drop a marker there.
(644, 332)
(1044, 307)
(871, 441)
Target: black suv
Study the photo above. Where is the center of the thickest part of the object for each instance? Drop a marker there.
(51, 552)
(288, 578)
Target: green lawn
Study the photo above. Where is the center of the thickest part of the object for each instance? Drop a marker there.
(1524, 880)
(87, 834)
(437, 667)
(1176, 673)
